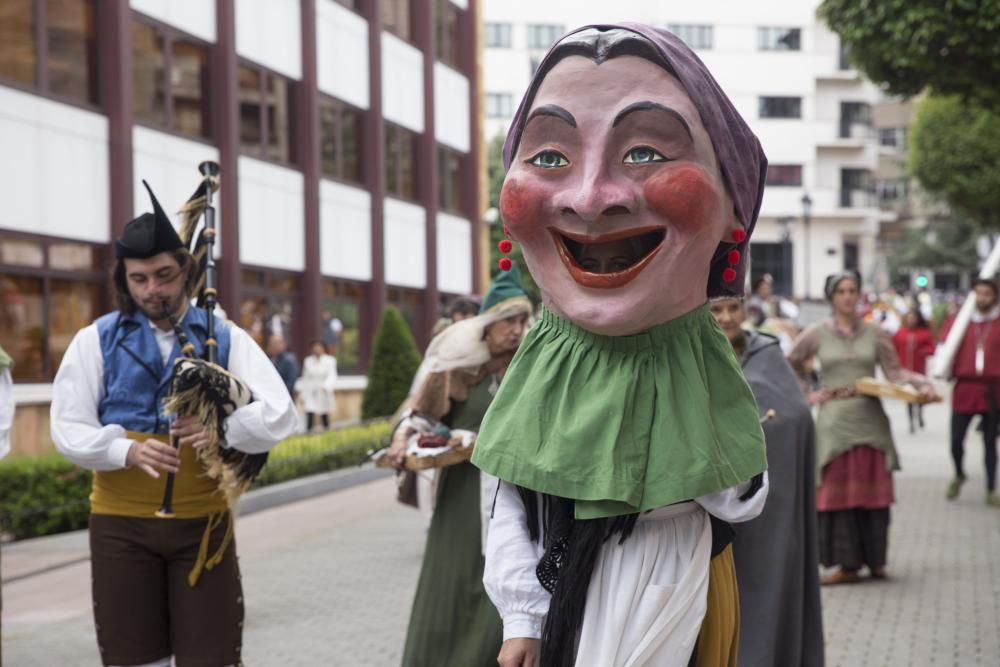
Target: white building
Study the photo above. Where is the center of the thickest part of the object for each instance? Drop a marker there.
(784, 71)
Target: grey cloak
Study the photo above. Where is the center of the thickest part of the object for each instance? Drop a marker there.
(776, 553)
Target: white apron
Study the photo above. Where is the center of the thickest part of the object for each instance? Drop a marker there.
(647, 599)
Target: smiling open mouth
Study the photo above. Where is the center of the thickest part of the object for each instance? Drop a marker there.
(610, 260)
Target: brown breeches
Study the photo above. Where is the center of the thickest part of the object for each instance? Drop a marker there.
(144, 607)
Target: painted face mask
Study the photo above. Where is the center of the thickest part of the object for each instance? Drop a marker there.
(631, 180)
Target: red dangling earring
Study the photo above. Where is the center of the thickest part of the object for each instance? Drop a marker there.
(733, 257)
(505, 247)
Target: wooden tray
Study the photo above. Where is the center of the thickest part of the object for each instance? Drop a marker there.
(884, 389)
(454, 455)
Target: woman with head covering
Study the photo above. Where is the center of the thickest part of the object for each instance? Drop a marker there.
(452, 621)
(624, 432)
(781, 622)
(855, 450)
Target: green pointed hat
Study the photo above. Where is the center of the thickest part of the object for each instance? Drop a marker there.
(505, 286)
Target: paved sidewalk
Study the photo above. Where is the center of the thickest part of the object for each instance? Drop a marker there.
(329, 581)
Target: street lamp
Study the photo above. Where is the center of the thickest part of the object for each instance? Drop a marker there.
(806, 210)
(787, 281)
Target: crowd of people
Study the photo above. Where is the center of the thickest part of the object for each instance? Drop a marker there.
(662, 461)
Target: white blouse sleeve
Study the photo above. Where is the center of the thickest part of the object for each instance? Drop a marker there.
(76, 393)
(726, 504)
(6, 411)
(511, 560)
(271, 417)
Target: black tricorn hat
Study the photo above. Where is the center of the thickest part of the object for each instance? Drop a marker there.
(148, 235)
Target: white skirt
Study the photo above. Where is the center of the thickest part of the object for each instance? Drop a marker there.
(647, 598)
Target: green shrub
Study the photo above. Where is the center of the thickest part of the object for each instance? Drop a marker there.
(394, 362)
(311, 454)
(41, 495)
(44, 495)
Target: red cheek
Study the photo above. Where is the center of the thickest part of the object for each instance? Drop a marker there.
(522, 205)
(685, 196)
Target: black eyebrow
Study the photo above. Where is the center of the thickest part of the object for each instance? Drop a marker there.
(553, 110)
(651, 106)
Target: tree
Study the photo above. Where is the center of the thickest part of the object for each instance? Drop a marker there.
(393, 364)
(949, 46)
(495, 176)
(941, 246)
(954, 151)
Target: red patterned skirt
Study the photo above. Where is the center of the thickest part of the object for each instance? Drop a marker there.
(856, 479)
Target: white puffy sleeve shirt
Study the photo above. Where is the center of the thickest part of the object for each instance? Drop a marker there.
(511, 556)
(6, 411)
(79, 388)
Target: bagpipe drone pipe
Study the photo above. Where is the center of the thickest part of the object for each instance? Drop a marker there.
(200, 388)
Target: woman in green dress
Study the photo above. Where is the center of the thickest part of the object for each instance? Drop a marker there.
(855, 451)
(453, 621)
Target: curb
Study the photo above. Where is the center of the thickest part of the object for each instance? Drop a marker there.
(75, 544)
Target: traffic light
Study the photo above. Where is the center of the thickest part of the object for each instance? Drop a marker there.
(921, 281)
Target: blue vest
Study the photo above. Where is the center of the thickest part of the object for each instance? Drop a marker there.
(136, 381)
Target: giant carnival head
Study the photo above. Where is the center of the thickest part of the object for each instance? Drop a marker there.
(633, 184)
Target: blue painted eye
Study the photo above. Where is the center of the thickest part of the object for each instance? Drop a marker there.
(643, 155)
(549, 160)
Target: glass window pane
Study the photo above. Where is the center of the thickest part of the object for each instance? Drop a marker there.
(72, 70)
(73, 305)
(329, 131)
(351, 138)
(407, 170)
(342, 320)
(276, 102)
(147, 74)
(447, 33)
(189, 87)
(21, 332)
(396, 17)
(17, 252)
(251, 134)
(392, 159)
(73, 257)
(17, 41)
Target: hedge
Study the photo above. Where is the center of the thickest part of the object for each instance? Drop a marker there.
(44, 495)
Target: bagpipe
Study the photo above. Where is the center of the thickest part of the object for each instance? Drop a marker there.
(199, 386)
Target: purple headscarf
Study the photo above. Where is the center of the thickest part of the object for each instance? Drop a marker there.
(740, 156)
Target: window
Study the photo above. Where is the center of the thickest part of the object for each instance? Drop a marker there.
(179, 101)
(893, 136)
(400, 162)
(856, 188)
(451, 168)
(779, 39)
(49, 290)
(350, 4)
(410, 304)
(781, 107)
(855, 119)
(268, 306)
(64, 62)
(340, 130)
(498, 35)
(695, 36)
(784, 174)
(396, 18)
(446, 29)
(499, 105)
(343, 322)
(544, 36)
(892, 190)
(265, 111)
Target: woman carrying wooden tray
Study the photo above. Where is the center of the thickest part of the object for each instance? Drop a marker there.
(453, 622)
(855, 452)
